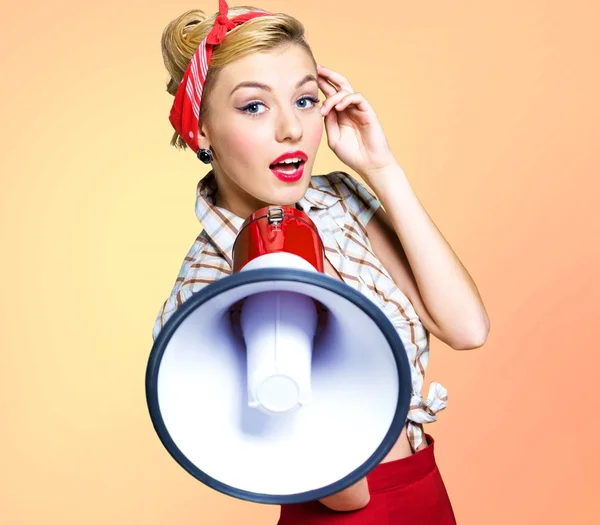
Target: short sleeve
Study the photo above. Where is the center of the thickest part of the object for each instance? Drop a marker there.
(199, 269)
(361, 203)
(176, 299)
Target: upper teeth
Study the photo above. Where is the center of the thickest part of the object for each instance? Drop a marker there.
(290, 161)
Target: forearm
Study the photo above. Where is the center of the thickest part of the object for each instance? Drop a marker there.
(353, 498)
(449, 294)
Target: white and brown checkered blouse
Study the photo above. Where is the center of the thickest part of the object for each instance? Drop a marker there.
(340, 207)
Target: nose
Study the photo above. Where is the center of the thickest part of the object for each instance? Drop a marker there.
(289, 125)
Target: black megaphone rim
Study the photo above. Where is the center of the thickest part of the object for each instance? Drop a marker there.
(280, 274)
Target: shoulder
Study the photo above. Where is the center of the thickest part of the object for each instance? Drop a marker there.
(342, 184)
(202, 265)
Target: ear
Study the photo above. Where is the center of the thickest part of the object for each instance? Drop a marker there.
(203, 135)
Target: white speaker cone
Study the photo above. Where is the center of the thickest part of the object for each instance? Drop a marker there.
(200, 375)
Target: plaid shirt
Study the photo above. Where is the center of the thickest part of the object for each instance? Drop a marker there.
(341, 207)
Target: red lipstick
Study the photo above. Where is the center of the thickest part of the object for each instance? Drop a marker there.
(289, 171)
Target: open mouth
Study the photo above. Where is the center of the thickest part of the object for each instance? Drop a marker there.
(287, 167)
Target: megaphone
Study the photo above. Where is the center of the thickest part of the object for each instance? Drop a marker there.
(278, 384)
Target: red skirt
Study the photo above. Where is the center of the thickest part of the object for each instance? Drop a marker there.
(404, 491)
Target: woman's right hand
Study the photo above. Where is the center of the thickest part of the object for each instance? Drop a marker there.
(354, 497)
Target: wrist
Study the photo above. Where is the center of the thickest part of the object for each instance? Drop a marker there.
(380, 179)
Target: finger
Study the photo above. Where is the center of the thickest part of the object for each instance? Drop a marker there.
(353, 98)
(333, 128)
(326, 87)
(334, 99)
(336, 78)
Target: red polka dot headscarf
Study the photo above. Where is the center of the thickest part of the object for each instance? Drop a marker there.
(185, 112)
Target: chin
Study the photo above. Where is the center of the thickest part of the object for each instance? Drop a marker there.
(289, 194)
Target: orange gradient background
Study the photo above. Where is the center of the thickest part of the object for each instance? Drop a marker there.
(491, 108)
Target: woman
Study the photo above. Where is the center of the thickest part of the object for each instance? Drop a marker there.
(246, 90)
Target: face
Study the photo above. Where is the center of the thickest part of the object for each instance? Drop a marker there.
(263, 106)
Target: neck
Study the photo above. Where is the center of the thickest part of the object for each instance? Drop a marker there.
(232, 198)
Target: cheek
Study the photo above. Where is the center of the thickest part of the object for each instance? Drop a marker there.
(239, 145)
(314, 133)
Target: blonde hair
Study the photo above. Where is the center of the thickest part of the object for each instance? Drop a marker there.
(182, 36)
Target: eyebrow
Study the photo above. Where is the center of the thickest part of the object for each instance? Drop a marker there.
(260, 85)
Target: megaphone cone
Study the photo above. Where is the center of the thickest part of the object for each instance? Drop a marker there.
(278, 384)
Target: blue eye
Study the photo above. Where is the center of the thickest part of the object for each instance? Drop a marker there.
(314, 100)
(251, 105)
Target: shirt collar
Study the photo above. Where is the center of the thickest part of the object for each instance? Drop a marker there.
(319, 195)
(222, 226)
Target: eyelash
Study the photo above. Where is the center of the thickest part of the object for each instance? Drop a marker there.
(244, 109)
